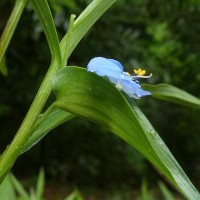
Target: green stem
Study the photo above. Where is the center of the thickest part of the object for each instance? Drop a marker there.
(11, 25)
(45, 123)
(14, 149)
(65, 52)
(29, 142)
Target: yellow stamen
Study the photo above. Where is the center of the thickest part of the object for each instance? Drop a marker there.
(139, 72)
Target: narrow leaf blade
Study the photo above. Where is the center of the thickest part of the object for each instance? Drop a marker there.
(9, 31)
(19, 188)
(173, 94)
(40, 185)
(3, 67)
(44, 14)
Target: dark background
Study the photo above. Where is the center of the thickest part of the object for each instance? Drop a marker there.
(162, 37)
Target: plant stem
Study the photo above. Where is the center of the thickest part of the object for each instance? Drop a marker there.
(14, 149)
(65, 52)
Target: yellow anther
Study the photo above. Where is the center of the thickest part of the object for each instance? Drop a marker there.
(139, 72)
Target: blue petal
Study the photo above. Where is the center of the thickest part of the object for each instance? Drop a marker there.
(117, 63)
(100, 63)
(125, 77)
(133, 89)
(105, 67)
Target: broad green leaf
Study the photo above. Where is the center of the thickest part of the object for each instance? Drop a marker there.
(172, 94)
(82, 24)
(47, 122)
(3, 67)
(92, 97)
(43, 12)
(9, 30)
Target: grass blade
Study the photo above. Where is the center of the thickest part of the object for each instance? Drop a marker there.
(40, 185)
(19, 188)
(166, 193)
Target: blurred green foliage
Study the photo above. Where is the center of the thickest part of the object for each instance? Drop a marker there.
(163, 37)
(12, 189)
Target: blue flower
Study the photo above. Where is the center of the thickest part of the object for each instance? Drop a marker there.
(113, 70)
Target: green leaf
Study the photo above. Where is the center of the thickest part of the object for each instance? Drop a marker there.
(173, 94)
(9, 30)
(48, 121)
(40, 185)
(75, 195)
(145, 194)
(166, 193)
(82, 24)
(19, 188)
(15, 148)
(7, 191)
(88, 18)
(43, 12)
(3, 67)
(93, 97)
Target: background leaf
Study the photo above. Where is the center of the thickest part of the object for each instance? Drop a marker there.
(88, 95)
(145, 194)
(75, 195)
(166, 193)
(3, 67)
(44, 14)
(9, 30)
(19, 188)
(173, 94)
(7, 191)
(40, 185)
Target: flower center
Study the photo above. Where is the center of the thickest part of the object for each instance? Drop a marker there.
(139, 72)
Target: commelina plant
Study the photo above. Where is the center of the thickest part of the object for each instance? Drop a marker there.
(106, 96)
